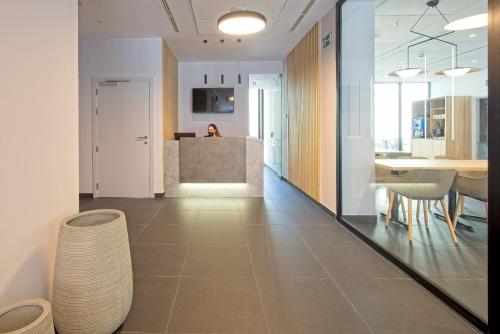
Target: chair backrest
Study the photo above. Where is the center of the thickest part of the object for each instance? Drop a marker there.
(424, 183)
(472, 184)
(410, 157)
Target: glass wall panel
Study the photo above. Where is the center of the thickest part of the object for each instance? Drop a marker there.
(414, 105)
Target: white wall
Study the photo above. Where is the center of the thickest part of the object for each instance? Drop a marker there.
(328, 115)
(119, 58)
(38, 139)
(191, 75)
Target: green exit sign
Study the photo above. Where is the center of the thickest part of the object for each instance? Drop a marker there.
(327, 40)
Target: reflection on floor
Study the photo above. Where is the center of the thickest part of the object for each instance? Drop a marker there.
(461, 269)
(272, 265)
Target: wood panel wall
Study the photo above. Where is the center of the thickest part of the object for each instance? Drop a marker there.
(303, 87)
(170, 93)
(459, 147)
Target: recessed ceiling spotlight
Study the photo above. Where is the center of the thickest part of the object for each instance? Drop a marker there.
(238, 40)
(472, 35)
(474, 61)
(99, 21)
(205, 41)
(222, 41)
(241, 22)
(470, 22)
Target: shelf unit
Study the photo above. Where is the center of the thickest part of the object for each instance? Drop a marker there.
(437, 138)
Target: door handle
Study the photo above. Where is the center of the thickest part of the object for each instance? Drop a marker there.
(141, 138)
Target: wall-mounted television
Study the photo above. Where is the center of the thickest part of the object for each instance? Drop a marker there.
(213, 100)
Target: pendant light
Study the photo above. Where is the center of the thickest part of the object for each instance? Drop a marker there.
(455, 70)
(407, 72)
(241, 22)
(470, 22)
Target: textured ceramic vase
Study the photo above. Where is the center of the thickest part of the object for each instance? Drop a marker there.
(28, 317)
(93, 273)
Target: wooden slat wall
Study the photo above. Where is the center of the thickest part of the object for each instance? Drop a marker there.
(170, 93)
(303, 87)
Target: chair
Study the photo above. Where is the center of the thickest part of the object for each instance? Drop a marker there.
(422, 185)
(473, 185)
(402, 203)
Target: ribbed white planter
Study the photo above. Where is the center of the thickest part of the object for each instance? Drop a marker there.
(93, 274)
(27, 317)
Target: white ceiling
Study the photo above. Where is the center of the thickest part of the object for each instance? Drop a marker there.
(393, 20)
(196, 20)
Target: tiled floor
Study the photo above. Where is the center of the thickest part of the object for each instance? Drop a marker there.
(272, 265)
(460, 269)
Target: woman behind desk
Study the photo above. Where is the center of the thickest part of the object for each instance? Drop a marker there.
(213, 131)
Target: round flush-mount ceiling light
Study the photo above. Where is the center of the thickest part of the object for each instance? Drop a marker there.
(470, 22)
(241, 22)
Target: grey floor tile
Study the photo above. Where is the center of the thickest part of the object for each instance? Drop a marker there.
(355, 262)
(328, 235)
(218, 261)
(173, 216)
(285, 261)
(472, 293)
(218, 204)
(181, 203)
(144, 203)
(151, 306)
(220, 232)
(158, 260)
(165, 234)
(264, 235)
(399, 306)
(308, 305)
(140, 217)
(107, 203)
(134, 231)
(217, 306)
(257, 204)
(264, 217)
(215, 216)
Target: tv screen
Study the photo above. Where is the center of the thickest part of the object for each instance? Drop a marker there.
(213, 100)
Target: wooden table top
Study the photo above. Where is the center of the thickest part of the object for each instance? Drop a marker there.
(438, 164)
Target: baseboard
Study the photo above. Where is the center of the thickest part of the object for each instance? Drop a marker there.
(86, 195)
(159, 195)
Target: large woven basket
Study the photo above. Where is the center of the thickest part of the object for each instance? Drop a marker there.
(27, 317)
(93, 283)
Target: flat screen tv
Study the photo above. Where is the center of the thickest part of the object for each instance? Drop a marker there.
(213, 100)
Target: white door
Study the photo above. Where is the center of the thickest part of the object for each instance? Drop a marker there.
(122, 154)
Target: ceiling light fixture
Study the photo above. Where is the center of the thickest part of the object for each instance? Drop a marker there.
(241, 22)
(406, 72)
(470, 22)
(457, 71)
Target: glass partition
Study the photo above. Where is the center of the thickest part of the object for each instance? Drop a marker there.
(413, 123)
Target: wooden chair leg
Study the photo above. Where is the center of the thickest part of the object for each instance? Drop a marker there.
(448, 221)
(410, 223)
(426, 213)
(418, 209)
(401, 200)
(389, 209)
(459, 208)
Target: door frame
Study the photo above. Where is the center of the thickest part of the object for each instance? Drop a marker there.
(151, 138)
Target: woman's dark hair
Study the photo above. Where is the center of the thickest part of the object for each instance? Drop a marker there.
(217, 133)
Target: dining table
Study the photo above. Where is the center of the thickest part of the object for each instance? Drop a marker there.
(398, 166)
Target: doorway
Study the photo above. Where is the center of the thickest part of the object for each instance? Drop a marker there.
(265, 116)
(122, 165)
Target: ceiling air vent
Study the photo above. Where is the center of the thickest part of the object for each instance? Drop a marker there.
(304, 12)
(170, 15)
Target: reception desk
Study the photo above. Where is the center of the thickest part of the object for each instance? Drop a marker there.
(214, 167)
